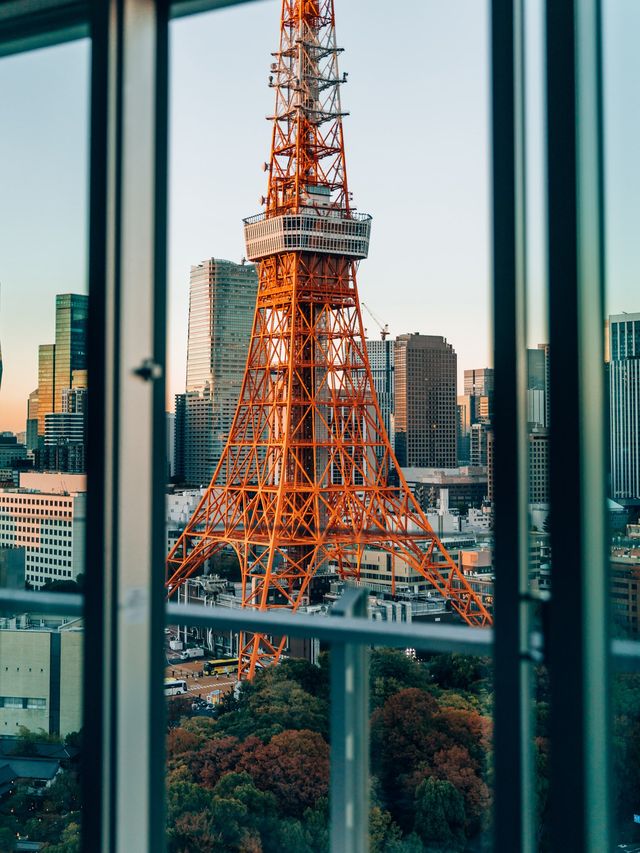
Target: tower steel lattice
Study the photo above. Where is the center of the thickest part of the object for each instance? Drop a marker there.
(302, 485)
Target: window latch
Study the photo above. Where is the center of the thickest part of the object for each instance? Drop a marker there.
(148, 371)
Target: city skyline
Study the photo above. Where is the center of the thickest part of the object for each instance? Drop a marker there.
(46, 100)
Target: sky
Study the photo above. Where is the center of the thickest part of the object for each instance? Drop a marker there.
(418, 150)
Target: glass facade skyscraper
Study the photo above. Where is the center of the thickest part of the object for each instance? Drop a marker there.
(46, 382)
(71, 341)
(624, 404)
(222, 297)
(478, 382)
(381, 361)
(63, 365)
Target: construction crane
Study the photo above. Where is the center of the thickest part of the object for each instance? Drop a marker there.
(384, 330)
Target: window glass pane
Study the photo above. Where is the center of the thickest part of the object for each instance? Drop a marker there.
(43, 398)
(423, 328)
(250, 764)
(622, 357)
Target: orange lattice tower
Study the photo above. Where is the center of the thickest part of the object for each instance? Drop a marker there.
(302, 486)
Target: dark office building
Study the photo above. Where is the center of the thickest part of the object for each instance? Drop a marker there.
(425, 399)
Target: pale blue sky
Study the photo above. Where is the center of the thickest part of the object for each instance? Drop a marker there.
(417, 153)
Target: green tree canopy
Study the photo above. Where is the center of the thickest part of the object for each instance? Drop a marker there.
(439, 815)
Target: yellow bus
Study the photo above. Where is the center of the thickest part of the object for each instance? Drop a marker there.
(224, 666)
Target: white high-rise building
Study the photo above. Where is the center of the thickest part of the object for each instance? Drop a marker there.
(46, 516)
(624, 406)
(381, 361)
(222, 299)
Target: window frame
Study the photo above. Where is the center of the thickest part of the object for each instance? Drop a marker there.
(125, 612)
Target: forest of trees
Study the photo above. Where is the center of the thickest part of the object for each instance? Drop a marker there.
(255, 779)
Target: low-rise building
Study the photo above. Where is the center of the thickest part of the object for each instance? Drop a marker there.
(40, 674)
(386, 573)
(625, 586)
(467, 486)
(46, 517)
(179, 507)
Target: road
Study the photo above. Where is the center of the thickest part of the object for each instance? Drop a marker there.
(196, 685)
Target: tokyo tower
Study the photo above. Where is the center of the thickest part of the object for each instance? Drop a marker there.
(302, 486)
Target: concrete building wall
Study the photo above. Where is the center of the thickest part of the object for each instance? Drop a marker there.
(71, 665)
(40, 680)
(24, 680)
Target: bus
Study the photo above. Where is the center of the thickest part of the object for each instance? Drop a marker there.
(224, 666)
(174, 687)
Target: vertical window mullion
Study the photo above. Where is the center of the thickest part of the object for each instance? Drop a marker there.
(125, 599)
(350, 734)
(579, 610)
(514, 808)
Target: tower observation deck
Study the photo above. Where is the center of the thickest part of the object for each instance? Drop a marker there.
(302, 486)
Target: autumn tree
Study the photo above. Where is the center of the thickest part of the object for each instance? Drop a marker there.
(294, 766)
(414, 739)
(270, 705)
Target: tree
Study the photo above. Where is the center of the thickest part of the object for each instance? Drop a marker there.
(414, 738)
(259, 821)
(270, 705)
(391, 671)
(178, 708)
(460, 672)
(312, 679)
(294, 766)
(189, 809)
(27, 741)
(222, 755)
(7, 840)
(70, 841)
(455, 765)
(316, 823)
(73, 740)
(440, 816)
(382, 830)
(64, 794)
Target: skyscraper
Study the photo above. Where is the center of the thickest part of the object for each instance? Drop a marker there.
(381, 361)
(63, 365)
(538, 386)
(464, 418)
(478, 382)
(32, 421)
(539, 466)
(624, 407)
(479, 443)
(221, 301)
(425, 398)
(46, 382)
(71, 341)
(475, 407)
